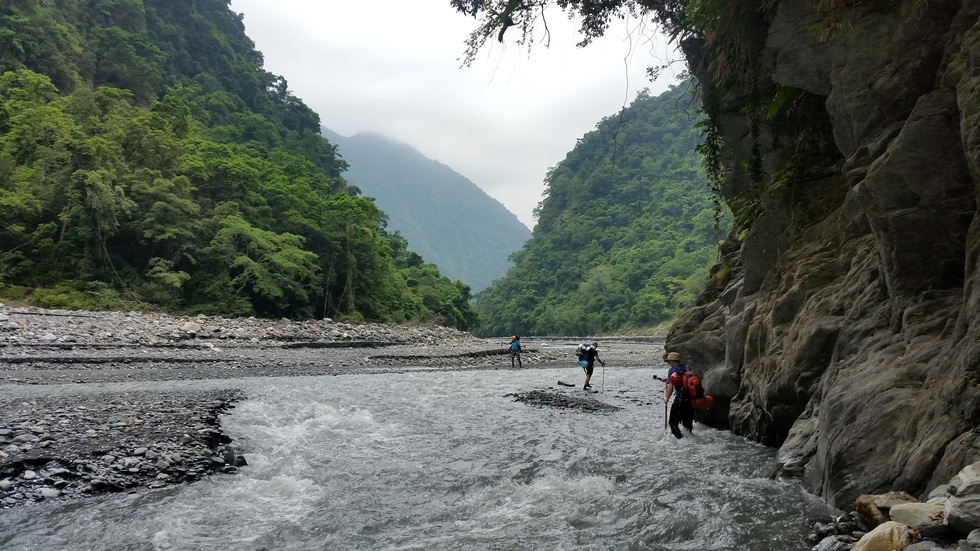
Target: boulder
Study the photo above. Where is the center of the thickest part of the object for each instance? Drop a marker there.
(963, 513)
(869, 512)
(890, 536)
(914, 514)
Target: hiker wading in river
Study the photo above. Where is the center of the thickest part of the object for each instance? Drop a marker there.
(515, 348)
(682, 410)
(590, 357)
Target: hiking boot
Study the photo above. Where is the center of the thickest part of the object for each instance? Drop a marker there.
(587, 387)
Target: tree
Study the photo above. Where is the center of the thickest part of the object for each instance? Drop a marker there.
(268, 271)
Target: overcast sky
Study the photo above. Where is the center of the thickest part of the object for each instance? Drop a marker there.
(393, 67)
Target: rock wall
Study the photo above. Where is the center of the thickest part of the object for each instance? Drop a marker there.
(846, 331)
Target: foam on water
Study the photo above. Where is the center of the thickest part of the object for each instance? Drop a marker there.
(448, 461)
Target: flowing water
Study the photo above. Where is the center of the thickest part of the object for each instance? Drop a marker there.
(447, 460)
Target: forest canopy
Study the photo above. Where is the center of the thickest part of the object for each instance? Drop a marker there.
(148, 160)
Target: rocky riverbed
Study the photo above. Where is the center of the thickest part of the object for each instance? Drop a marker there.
(82, 438)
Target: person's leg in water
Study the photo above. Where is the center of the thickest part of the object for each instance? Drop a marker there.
(675, 418)
(588, 375)
(688, 417)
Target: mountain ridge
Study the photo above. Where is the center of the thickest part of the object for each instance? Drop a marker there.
(446, 218)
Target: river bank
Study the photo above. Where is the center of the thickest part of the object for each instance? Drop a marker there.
(82, 439)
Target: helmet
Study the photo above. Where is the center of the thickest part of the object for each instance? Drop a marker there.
(676, 379)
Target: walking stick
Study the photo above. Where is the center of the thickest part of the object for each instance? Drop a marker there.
(665, 403)
(602, 384)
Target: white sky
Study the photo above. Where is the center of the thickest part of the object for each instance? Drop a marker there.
(393, 67)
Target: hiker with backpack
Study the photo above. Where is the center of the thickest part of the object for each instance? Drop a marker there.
(515, 350)
(682, 410)
(587, 356)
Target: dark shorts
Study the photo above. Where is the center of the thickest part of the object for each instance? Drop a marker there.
(589, 368)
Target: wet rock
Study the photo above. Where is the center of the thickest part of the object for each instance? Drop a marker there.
(831, 543)
(561, 400)
(85, 461)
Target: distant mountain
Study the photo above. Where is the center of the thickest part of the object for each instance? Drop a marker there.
(445, 217)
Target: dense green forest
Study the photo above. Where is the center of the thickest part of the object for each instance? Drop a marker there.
(626, 233)
(446, 218)
(148, 160)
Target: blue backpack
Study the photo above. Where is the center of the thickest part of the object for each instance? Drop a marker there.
(515, 345)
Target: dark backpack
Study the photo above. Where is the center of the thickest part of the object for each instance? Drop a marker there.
(581, 351)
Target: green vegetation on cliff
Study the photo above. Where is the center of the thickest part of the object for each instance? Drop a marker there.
(145, 155)
(626, 232)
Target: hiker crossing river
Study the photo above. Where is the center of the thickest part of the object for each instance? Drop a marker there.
(444, 459)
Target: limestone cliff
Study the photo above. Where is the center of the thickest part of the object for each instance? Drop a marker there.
(843, 323)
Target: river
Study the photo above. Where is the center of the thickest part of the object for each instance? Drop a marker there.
(424, 460)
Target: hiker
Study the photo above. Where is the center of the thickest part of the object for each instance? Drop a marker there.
(515, 350)
(682, 410)
(590, 356)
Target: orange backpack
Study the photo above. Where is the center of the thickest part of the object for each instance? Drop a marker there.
(692, 385)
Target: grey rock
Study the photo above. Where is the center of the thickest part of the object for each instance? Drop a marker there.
(937, 530)
(830, 543)
(963, 513)
(966, 482)
(914, 514)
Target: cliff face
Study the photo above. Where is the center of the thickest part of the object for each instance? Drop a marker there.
(848, 329)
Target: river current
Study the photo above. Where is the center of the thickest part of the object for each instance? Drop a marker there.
(430, 460)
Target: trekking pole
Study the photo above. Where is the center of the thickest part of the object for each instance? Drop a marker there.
(602, 384)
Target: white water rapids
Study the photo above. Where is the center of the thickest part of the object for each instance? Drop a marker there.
(446, 460)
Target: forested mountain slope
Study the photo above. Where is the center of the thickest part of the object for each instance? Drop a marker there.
(146, 155)
(445, 217)
(625, 234)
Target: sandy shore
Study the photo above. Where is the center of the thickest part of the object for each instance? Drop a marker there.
(77, 438)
